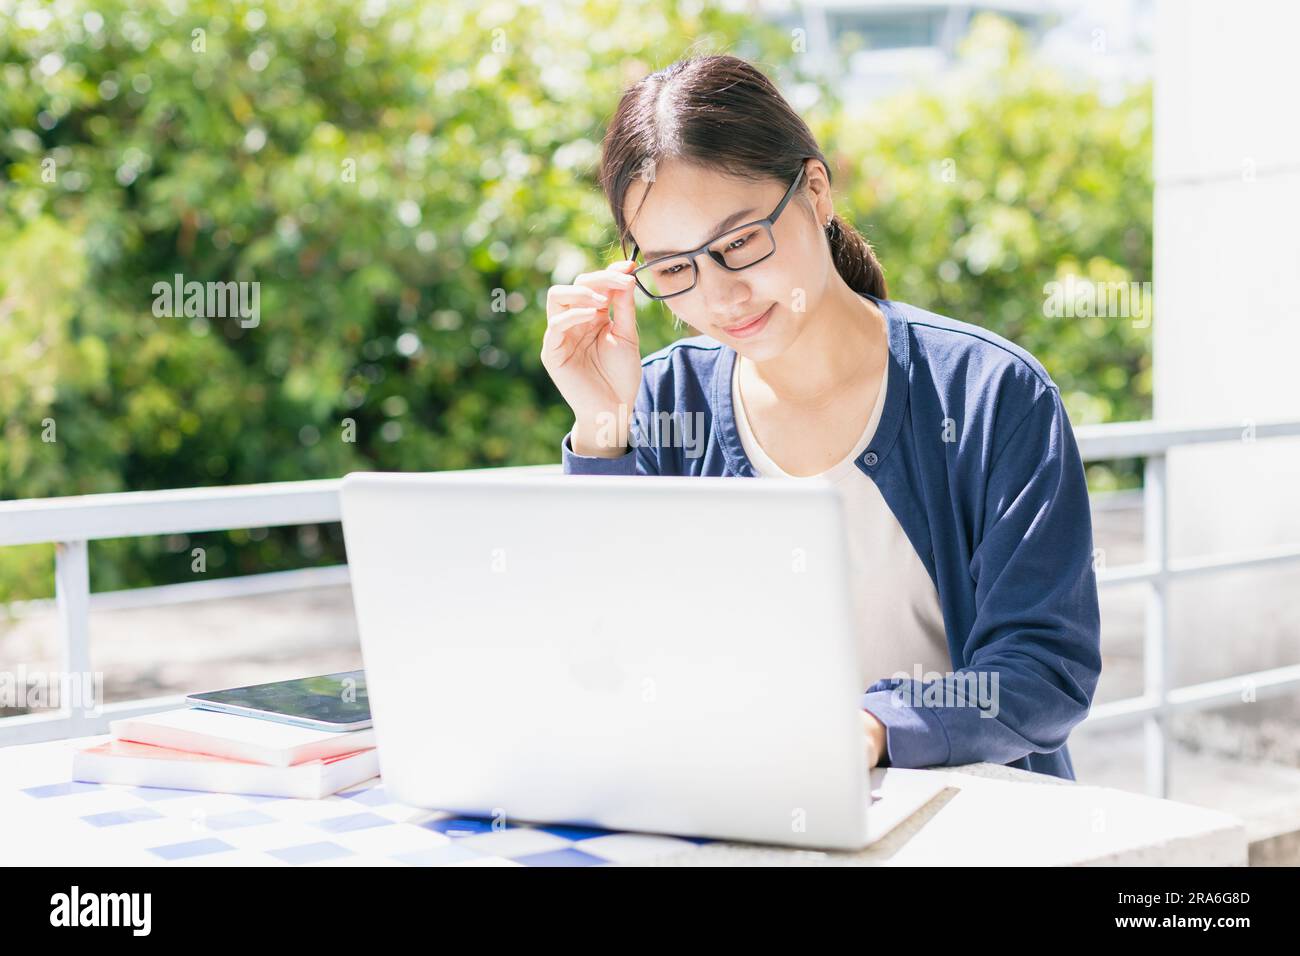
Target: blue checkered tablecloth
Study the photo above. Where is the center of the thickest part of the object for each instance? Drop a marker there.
(116, 824)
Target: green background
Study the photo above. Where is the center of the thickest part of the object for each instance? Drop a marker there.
(410, 298)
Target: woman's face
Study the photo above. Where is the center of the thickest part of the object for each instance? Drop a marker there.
(688, 205)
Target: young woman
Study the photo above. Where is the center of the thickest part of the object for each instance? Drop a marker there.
(971, 538)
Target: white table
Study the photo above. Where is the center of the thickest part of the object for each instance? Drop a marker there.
(986, 815)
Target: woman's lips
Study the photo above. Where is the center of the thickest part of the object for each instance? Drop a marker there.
(751, 327)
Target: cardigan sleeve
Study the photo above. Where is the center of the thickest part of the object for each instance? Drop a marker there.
(1034, 650)
(575, 464)
(640, 459)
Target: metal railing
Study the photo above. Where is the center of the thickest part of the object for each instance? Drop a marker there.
(71, 523)
(1159, 700)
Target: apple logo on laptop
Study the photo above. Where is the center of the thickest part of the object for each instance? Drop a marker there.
(596, 659)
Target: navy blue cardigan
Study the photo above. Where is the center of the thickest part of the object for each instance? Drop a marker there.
(975, 456)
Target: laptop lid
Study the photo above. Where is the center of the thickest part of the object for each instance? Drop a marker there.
(666, 654)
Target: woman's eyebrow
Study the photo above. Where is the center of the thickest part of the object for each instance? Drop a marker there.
(718, 227)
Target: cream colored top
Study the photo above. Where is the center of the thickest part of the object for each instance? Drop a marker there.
(896, 604)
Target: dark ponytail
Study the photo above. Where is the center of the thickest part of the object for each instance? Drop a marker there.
(721, 112)
(855, 260)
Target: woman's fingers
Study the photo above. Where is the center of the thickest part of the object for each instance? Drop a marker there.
(590, 288)
(874, 735)
(567, 296)
(605, 280)
(593, 298)
(617, 282)
(571, 317)
(623, 313)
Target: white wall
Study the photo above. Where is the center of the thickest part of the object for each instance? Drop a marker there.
(1227, 316)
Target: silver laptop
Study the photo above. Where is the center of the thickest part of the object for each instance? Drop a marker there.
(662, 654)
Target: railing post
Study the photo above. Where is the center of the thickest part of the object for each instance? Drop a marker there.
(1156, 658)
(72, 597)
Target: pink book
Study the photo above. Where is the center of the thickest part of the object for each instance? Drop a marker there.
(145, 765)
(242, 738)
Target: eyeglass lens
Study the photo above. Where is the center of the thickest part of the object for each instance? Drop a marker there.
(739, 249)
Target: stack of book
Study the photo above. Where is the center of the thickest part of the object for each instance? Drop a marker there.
(195, 749)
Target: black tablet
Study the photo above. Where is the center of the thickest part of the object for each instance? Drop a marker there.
(328, 702)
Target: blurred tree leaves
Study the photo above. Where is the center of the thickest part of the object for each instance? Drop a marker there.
(405, 180)
(980, 193)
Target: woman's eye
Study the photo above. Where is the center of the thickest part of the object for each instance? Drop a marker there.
(739, 241)
(672, 270)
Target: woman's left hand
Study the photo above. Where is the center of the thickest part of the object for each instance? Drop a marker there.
(875, 735)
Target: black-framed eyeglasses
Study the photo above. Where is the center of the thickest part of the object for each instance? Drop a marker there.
(737, 248)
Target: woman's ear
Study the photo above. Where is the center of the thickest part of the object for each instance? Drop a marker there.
(818, 195)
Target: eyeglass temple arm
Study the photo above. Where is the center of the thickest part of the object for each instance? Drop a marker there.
(789, 194)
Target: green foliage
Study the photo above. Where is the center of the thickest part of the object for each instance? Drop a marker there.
(405, 180)
(979, 195)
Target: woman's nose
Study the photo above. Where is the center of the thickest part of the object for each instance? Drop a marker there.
(723, 291)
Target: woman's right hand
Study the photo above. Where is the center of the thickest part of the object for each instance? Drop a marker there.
(592, 352)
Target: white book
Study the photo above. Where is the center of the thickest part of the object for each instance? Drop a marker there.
(241, 738)
(144, 765)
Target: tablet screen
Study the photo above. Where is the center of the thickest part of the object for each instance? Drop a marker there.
(334, 698)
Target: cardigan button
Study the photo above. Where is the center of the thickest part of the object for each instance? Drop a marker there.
(870, 459)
